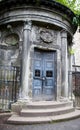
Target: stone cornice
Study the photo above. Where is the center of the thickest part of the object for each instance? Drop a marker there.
(36, 17)
(50, 4)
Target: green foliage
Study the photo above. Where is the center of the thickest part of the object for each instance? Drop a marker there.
(71, 51)
(74, 5)
(76, 20)
(76, 92)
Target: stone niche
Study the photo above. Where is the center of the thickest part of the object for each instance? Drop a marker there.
(43, 25)
(10, 46)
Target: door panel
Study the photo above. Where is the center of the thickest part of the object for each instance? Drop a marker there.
(49, 73)
(44, 78)
(37, 86)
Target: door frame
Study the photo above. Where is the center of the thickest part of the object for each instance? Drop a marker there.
(55, 70)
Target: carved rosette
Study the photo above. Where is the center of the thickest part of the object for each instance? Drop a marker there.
(46, 36)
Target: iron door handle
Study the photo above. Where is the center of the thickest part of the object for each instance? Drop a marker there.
(38, 78)
(41, 78)
(44, 78)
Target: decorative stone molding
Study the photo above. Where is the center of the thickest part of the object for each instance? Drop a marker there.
(7, 34)
(7, 5)
(12, 39)
(46, 36)
(27, 25)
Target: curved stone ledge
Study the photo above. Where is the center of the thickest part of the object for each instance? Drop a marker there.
(40, 16)
(4, 47)
(50, 5)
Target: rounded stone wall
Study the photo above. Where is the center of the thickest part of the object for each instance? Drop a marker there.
(44, 25)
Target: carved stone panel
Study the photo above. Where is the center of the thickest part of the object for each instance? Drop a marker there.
(44, 37)
(12, 39)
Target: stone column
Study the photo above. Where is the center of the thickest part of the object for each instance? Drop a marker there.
(70, 76)
(64, 64)
(70, 73)
(25, 60)
(58, 66)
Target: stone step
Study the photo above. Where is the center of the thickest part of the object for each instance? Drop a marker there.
(47, 104)
(17, 119)
(18, 106)
(45, 112)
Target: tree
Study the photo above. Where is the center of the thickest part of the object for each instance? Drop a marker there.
(74, 5)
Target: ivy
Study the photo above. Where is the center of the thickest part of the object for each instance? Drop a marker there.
(71, 51)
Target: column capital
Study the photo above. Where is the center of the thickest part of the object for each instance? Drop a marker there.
(27, 24)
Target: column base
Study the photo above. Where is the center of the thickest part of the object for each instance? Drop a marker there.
(21, 103)
(64, 99)
(26, 99)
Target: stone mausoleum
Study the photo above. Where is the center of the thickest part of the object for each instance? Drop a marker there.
(36, 35)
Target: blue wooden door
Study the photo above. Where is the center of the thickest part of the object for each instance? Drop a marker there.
(44, 75)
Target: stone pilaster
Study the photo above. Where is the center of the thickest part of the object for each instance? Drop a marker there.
(58, 74)
(25, 60)
(58, 67)
(70, 73)
(64, 64)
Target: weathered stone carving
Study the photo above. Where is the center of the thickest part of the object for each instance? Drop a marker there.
(12, 39)
(27, 24)
(46, 36)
